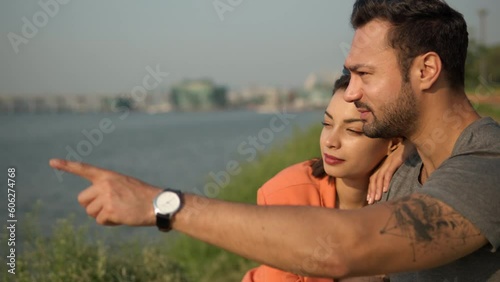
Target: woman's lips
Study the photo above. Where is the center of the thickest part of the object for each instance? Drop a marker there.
(331, 160)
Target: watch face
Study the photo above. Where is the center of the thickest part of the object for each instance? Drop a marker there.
(168, 202)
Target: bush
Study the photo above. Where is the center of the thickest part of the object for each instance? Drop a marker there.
(73, 254)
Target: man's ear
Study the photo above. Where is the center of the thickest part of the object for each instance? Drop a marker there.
(429, 68)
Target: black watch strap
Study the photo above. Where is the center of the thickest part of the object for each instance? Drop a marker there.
(163, 222)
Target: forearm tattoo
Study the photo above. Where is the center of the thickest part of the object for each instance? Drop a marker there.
(427, 223)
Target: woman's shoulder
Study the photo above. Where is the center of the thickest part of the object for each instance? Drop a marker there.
(297, 172)
(293, 185)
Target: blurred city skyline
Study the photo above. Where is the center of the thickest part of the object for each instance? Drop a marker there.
(56, 47)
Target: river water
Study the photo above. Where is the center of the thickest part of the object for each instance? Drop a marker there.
(177, 150)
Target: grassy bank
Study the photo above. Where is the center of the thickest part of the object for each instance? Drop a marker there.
(73, 253)
(489, 110)
(487, 104)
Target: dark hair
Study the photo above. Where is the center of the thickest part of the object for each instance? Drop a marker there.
(418, 27)
(341, 83)
(318, 171)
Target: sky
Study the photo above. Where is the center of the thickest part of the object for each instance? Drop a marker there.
(69, 47)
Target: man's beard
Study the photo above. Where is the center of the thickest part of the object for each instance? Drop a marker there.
(398, 118)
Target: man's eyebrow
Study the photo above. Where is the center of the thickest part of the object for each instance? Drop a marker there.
(355, 68)
(328, 114)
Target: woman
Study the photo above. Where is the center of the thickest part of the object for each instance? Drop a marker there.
(339, 179)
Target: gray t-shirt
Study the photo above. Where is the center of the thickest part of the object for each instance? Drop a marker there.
(469, 182)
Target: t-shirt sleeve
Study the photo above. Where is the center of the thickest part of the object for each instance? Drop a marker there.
(470, 184)
(292, 186)
(261, 198)
(265, 273)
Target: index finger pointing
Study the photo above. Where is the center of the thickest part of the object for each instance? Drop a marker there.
(84, 170)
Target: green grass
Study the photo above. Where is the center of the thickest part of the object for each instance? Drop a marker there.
(73, 253)
(488, 110)
(486, 101)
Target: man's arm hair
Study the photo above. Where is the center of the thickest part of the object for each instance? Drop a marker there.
(412, 233)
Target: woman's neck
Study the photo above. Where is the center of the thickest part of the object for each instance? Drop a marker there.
(351, 194)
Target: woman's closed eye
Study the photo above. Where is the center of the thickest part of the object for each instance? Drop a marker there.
(355, 131)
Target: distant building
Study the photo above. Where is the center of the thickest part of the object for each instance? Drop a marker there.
(60, 105)
(192, 95)
(22, 105)
(317, 91)
(6, 105)
(259, 98)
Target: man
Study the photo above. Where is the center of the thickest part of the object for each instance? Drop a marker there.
(407, 72)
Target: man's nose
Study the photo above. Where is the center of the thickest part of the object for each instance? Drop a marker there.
(352, 93)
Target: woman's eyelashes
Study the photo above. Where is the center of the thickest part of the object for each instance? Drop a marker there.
(352, 131)
(355, 131)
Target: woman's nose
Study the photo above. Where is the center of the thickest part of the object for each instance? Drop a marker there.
(333, 140)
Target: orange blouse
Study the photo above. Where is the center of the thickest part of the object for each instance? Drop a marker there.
(296, 186)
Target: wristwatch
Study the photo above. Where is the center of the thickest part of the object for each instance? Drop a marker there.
(166, 205)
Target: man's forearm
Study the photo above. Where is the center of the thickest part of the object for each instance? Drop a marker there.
(295, 245)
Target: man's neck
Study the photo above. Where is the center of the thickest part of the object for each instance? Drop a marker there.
(440, 128)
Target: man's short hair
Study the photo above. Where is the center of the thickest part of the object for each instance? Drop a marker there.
(418, 27)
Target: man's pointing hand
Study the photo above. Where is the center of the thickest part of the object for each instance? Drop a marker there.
(113, 198)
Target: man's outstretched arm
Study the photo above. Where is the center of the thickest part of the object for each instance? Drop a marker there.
(413, 233)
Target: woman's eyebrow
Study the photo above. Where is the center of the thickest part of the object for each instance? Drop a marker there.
(351, 120)
(328, 114)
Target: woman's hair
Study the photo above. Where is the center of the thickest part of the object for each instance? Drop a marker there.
(318, 171)
(341, 83)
